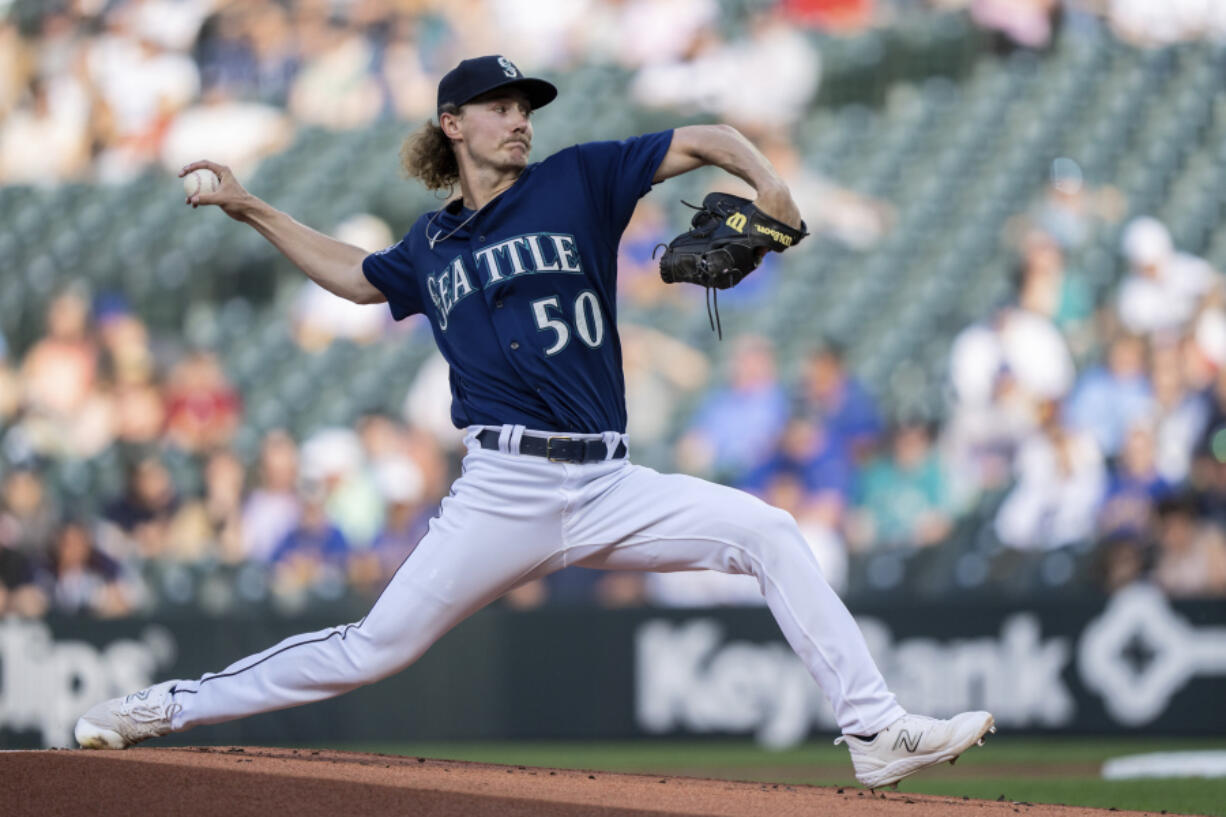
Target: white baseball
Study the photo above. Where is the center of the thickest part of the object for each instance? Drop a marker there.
(202, 180)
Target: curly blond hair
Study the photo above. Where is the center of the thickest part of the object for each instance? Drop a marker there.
(427, 154)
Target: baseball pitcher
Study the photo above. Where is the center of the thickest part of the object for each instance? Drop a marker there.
(517, 277)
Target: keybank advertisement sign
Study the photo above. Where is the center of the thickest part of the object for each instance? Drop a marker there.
(1137, 663)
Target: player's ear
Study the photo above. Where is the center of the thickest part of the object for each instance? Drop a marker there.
(449, 121)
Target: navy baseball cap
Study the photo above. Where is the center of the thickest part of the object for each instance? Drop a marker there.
(472, 78)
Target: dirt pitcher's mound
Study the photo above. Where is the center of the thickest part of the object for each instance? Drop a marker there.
(306, 783)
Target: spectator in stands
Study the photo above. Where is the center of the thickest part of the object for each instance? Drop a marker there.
(143, 84)
(235, 131)
(138, 409)
(139, 519)
(542, 34)
(249, 50)
(1002, 371)
(203, 409)
(1018, 355)
(1181, 413)
(272, 508)
(1165, 288)
(408, 513)
(1050, 289)
(773, 46)
(44, 142)
(819, 460)
(1191, 559)
(902, 498)
(124, 343)
(334, 458)
(706, 77)
(28, 512)
(139, 415)
(65, 414)
(652, 31)
(1061, 479)
(847, 409)
(83, 579)
(224, 49)
(335, 87)
(1134, 486)
(1110, 399)
(314, 555)
(405, 76)
(20, 594)
(208, 528)
(276, 60)
(738, 424)
(60, 369)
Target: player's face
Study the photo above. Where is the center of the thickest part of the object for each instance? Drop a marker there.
(497, 130)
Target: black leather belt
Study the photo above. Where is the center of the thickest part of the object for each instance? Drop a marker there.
(556, 449)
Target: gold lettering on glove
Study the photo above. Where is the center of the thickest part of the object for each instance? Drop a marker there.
(782, 238)
(737, 222)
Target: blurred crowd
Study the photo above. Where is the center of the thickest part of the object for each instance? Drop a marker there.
(155, 429)
(117, 87)
(1093, 421)
(104, 89)
(1098, 428)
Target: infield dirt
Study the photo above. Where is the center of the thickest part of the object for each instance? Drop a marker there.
(308, 783)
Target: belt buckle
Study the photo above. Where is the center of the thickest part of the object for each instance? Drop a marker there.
(549, 450)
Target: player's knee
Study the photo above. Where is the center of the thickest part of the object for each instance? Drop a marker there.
(779, 542)
(375, 655)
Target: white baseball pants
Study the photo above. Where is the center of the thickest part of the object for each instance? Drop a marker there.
(511, 518)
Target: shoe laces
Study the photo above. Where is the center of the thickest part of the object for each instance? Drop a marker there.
(147, 707)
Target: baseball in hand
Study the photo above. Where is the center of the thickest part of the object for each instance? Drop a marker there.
(201, 180)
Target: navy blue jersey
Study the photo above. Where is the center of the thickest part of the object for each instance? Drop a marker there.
(523, 297)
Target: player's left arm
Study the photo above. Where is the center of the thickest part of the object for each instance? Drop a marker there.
(724, 146)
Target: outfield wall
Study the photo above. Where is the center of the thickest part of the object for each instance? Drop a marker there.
(1135, 663)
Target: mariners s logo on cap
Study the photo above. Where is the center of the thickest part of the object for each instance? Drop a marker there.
(508, 67)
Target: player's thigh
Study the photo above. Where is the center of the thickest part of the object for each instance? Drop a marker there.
(663, 522)
(482, 543)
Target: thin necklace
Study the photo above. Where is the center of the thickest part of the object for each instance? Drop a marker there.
(437, 237)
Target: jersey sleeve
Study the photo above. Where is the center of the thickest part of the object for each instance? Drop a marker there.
(391, 272)
(618, 174)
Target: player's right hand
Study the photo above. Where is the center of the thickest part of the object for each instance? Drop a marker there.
(231, 196)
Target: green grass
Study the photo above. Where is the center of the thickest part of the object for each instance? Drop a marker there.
(1021, 769)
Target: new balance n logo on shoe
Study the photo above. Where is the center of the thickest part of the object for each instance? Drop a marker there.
(905, 739)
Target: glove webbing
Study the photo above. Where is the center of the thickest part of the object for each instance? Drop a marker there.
(712, 292)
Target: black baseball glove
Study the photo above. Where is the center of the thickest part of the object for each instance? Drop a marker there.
(726, 241)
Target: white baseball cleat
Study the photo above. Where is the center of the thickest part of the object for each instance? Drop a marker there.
(912, 743)
(123, 722)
